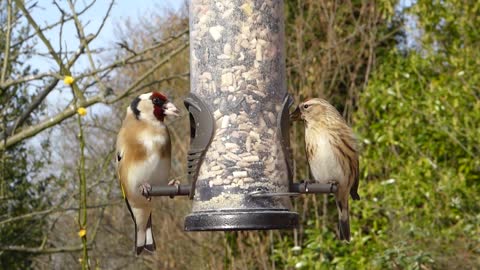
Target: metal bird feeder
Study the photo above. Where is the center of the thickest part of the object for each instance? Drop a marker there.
(238, 79)
(239, 161)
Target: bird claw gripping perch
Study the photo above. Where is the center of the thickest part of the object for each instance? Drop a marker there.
(175, 183)
(202, 126)
(145, 189)
(333, 186)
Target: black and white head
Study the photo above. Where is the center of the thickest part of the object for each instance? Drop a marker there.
(152, 107)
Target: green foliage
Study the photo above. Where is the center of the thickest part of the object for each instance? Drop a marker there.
(20, 189)
(418, 125)
(420, 119)
(22, 196)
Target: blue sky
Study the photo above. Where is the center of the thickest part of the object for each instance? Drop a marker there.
(46, 13)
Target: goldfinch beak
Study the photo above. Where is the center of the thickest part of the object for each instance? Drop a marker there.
(170, 109)
(296, 115)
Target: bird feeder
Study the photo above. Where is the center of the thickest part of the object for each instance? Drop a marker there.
(239, 160)
(238, 104)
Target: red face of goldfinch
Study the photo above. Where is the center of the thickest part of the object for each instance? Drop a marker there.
(151, 105)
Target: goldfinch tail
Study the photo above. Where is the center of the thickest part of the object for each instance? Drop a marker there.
(149, 240)
(144, 237)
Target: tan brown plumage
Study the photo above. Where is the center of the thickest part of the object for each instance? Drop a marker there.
(135, 149)
(143, 160)
(331, 153)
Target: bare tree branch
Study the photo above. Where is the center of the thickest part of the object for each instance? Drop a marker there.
(84, 39)
(64, 70)
(99, 98)
(134, 85)
(41, 250)
(51, 86)
(57, 210)
(7, 42)
(53, 25)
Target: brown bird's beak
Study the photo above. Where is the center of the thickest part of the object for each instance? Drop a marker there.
(296, 115)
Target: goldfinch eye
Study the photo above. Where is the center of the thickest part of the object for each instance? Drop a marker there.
(156, 101)
(306, 106)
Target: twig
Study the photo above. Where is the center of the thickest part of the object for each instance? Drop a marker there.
(134, 85)
(125, 60)
(7, 42)
(70, 111)
(179, 76)
(56, 210)
(53, 25)
(35, 129)
(82, 211)
(42, 250)
(84, 39)
(63, 69)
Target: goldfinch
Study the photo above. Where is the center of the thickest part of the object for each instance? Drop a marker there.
(331, 153)
(143, 160)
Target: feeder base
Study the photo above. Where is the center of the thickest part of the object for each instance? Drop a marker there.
(236, 220)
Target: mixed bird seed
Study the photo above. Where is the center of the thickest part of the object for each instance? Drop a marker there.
(237, 65)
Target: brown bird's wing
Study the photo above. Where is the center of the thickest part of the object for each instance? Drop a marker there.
(122, 174)
(310, 149)
(121, 181)
(347, 148)
(129, 149)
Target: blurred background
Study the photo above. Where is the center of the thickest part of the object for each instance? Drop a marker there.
(405, 75)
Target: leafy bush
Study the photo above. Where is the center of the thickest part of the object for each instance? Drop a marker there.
(418, 122)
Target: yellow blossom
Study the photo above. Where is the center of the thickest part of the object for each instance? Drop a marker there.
(82, 232)
(68, 80)
(82, 111)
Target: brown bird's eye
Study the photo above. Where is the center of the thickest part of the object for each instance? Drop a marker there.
(306, 106)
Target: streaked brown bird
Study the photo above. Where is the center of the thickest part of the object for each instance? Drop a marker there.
(331, 153)
(143, 160)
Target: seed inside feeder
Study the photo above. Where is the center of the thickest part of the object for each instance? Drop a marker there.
(238, 69)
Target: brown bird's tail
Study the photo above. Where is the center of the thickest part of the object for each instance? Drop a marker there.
(343, 220)
(144, 237)
(149, 241)
(143, 229)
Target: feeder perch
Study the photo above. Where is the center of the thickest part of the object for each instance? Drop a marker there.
(239, 162)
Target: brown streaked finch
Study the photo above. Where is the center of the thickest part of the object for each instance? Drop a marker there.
(143, 160)
(331, 153)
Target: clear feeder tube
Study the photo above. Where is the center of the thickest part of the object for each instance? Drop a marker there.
(238, 70)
